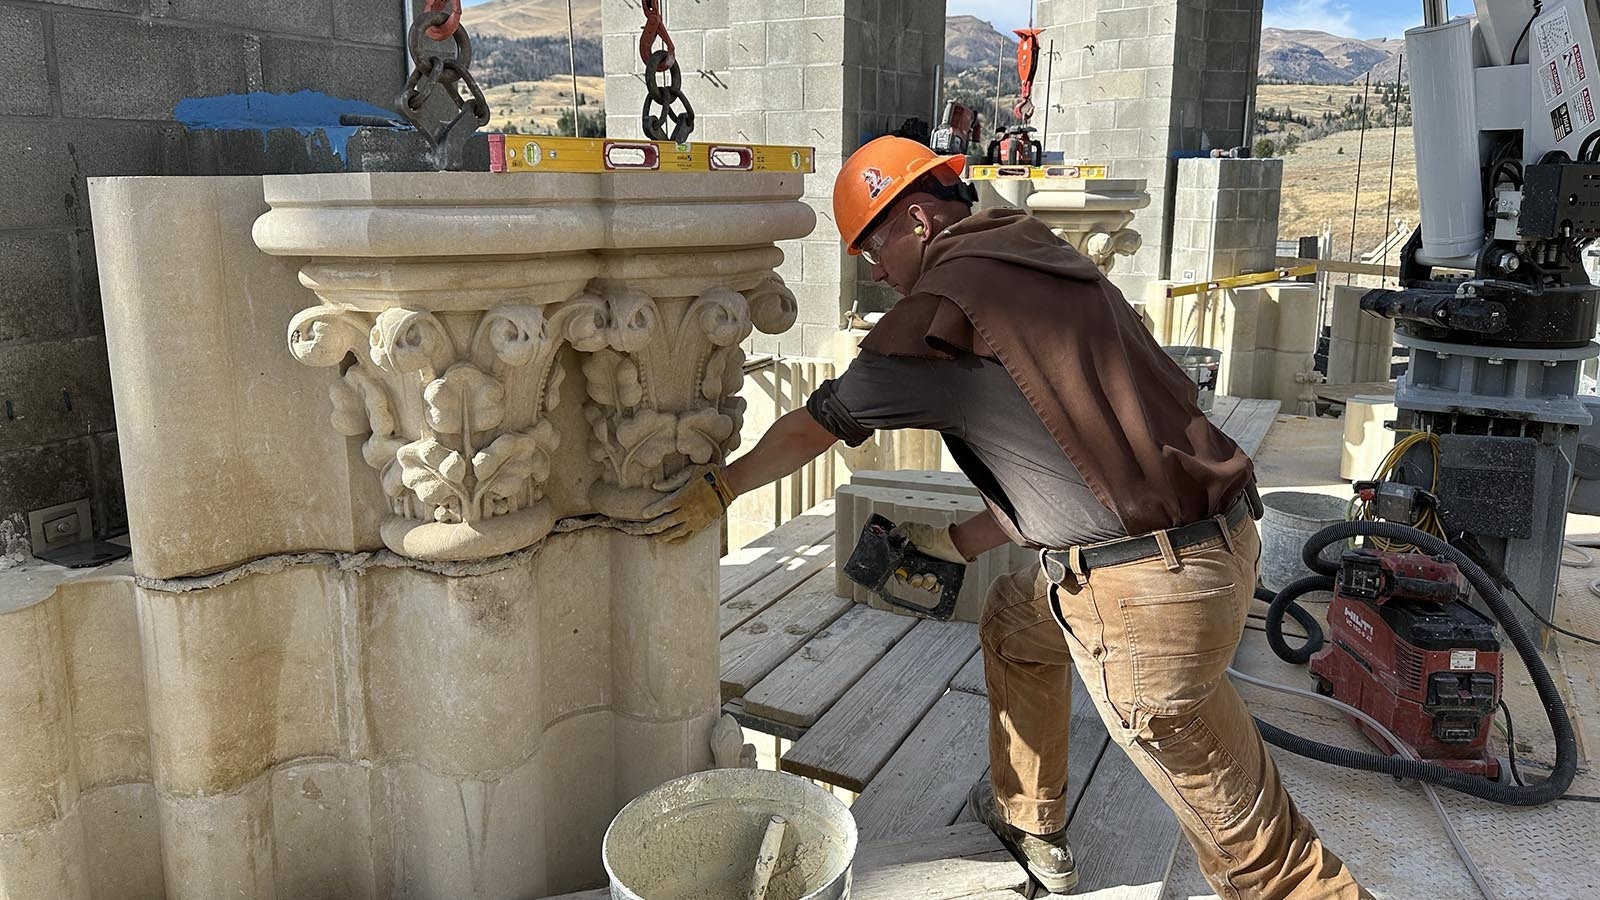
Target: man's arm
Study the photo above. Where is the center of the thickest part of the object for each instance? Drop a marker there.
(791, 442)
(978, 535)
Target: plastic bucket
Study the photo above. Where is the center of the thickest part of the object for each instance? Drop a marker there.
(1200, 364)
(697, 838)
(1290, 519)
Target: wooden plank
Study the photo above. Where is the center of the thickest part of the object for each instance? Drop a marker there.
(852, 741)
(1249, 424)
(953, 842)
(759, 645)
(1123, 836)
(925, 783)
(762, 556)
(784, 730)
(942, 879)
(1222, 408)
(811, 680)
(970, 679)
(750, 602)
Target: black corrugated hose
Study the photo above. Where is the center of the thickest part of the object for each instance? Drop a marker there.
(1566, 765)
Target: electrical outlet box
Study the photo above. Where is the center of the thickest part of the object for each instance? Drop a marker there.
(60, 526)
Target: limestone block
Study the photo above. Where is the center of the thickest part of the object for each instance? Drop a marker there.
(207, 405)
(1366, 439)
(122, 841)
(309, 803)
(100, 630)
(664, 655)
(935, 498)
(46, 862)
(38, 777)
(1361, 345)
(241, 677)
(219, 843)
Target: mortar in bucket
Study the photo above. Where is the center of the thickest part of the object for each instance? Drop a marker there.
(699, 837)
(1289, 520)
(1201, 365)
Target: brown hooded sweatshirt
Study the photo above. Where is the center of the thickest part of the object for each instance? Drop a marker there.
(1122, 411)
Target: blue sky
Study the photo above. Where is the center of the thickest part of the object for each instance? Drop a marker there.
(1350, 18)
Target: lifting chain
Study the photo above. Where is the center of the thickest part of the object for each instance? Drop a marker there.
(433, 72)
(668, 98)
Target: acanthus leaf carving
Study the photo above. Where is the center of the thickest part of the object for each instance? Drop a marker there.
(773, 308)
(631, 319)
(437, 475)
(409, 340)
(323, 336)
(512, 335)
(702, 434)
(464, 401)
(644, 439)
(722, 315)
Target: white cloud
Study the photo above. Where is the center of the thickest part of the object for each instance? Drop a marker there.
(1318, 15)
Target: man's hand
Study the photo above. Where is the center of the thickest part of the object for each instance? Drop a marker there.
(700, 498)
(933, 540)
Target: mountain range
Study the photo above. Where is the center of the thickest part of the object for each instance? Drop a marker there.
(1287, 56)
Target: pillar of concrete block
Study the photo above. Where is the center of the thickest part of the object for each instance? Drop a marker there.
(829, 75)
(1225, 218)
(1135, 82)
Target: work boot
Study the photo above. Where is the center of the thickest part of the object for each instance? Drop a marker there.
(1047, 856)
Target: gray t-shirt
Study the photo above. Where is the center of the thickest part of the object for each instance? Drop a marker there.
(989, 426)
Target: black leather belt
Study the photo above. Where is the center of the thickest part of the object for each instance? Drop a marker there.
(1145, 546)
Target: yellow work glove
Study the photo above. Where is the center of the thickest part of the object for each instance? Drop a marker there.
(935, 541)
(700, 497)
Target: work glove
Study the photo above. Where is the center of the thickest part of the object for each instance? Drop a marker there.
(699, 497)
(933, 540)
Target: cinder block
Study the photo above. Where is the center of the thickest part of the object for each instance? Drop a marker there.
(342, 70)
(373, 22)
(788, 42)
(747, 44)
(127, 6)
(22, 45)
(36, 296)
(95, 56)
(33, 378)
(1124, 23)
(38, 477)
(783, 88)
(308, 17)
(716, 51)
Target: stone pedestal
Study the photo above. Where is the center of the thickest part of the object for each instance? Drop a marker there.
(1361, 345)
(391, 628)
(1267, 335)
(1092, 214)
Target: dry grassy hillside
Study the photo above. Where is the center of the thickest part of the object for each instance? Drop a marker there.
(539, 18)
(532, 106)
(1319, 183)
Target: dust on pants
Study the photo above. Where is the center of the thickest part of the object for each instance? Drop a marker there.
(1152, 646)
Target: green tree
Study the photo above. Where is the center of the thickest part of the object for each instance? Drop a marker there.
(589, 124)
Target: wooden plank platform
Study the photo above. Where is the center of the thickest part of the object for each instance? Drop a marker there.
(758, 646)
(928, 777)
(807, 684)
(1245, 420)
(854, 738)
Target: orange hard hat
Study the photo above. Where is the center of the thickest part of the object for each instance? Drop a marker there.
(874, 176)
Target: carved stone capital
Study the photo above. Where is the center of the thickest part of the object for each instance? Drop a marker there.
(450, 368)
(1093, 215)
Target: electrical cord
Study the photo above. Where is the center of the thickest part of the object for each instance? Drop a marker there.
(1466, 856)
(1538, 7)
(1540, 616)
(1511, 745)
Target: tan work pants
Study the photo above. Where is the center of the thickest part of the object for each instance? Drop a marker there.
(1151, 641)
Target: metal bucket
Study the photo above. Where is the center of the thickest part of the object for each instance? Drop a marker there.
(697, 838)
(1200, 364)
(1290, 519)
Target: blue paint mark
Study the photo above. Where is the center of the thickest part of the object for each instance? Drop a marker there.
(307, 112)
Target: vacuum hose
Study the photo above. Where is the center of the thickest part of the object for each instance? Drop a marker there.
(1566, 765)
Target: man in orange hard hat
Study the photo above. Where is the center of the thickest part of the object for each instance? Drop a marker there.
(1086, 443)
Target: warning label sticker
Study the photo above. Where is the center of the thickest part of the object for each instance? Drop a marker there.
(1583, 110)
(1561, 122)
(1572, 65)
(1552, 35)
(1550, 81)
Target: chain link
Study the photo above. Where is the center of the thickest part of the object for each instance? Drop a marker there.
(444, 32)
(434, 73)
(666, 97)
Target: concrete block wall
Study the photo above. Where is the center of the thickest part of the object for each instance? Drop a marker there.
(1361, 346)
(1135, 81)
(90, 89)
(1225, 218)
(830, 74)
